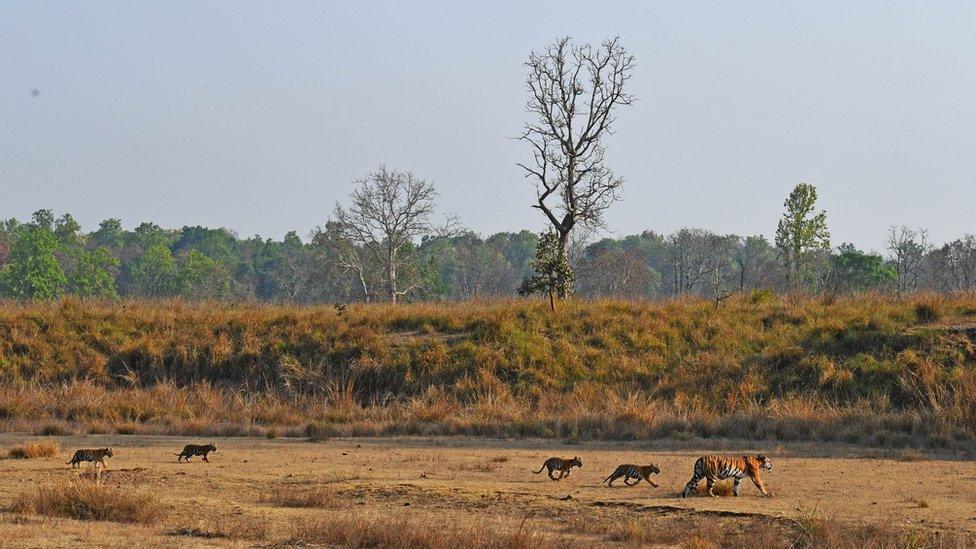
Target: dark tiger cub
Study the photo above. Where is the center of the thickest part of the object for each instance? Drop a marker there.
(196, 450)
(90, 454)
(564, 466)
(723, 467)
(639, 472)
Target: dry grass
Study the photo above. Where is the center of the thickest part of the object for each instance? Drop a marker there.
(234, 527)
(83, 500)
(299, 497)
(35, 449)
(870, 369)
(811, 531)
(358, 532)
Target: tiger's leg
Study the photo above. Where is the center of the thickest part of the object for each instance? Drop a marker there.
(102, 461)
(762, 487)
(205, 458)
(692, 486)
(552, 477)
(613, 478)
(649, 481)
(711, 484)
(628, 483)
(735, 486)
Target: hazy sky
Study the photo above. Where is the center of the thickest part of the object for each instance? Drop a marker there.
(256, 116)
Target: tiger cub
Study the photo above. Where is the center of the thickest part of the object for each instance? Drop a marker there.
(564, 466)
(723, 467)
(638, 472)
(89, 454)
(196, 450)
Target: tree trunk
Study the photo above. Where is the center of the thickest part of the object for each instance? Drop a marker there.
(563, 256)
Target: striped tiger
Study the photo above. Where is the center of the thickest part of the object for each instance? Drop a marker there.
(629, 471)
(89, 454)
(723, 467)
(564, 466)
(196, 450)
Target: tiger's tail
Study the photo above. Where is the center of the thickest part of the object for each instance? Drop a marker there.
(540, 470)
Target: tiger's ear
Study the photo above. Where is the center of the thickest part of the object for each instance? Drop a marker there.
(761, 457)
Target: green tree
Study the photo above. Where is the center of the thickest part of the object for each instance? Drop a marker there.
(32, 271)
(68, 231)
(94, 274)
(855, 271)
(802, 234)
(109, 234)
(154, 273)
(203, 278)
(43, 219)
(552, 273)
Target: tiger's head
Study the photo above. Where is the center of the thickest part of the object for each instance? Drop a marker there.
(577, 462)
(764, 462)
(654, 469)
(107, 452)
(212, 447)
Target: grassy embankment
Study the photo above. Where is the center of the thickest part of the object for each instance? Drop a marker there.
(872, 370)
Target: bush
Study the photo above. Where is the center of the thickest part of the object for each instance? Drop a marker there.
(35, 449)
(317, 432)
(82, 500)
(928, 310)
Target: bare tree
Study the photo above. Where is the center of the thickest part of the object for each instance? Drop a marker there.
(574, 91)
(906, 252)
(387, 212)
(953, 266)
(615, 272)
(755, 263)
(291, 270)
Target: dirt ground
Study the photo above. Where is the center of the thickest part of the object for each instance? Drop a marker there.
(231, 501)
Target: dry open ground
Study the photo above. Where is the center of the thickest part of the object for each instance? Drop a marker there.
(261, 492)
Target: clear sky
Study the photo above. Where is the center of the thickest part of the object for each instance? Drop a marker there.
(256, 116)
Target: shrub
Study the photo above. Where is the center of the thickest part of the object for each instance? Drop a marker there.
(83, 500)
(928, 310)
(54, 430)
(317, 432)
(35, 449)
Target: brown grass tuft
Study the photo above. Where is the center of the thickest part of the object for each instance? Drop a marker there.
(359, 532)
(294, 496)
(83, 500)
(929, 308)
(35, 449)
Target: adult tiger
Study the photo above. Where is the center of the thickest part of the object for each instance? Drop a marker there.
(639, 472)
(564, 466)
(723, 467)
(196, 450)
(96, 455)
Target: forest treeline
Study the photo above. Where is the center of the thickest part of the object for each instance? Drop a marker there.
(49, 256)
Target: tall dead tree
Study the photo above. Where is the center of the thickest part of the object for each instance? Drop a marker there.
(574, 91)
(387, 212)
(907, 249)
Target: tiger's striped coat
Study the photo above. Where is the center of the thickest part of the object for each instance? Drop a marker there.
(196, 450)
(639, 472)
(714, 468)
(564, 466)
(95, 455)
